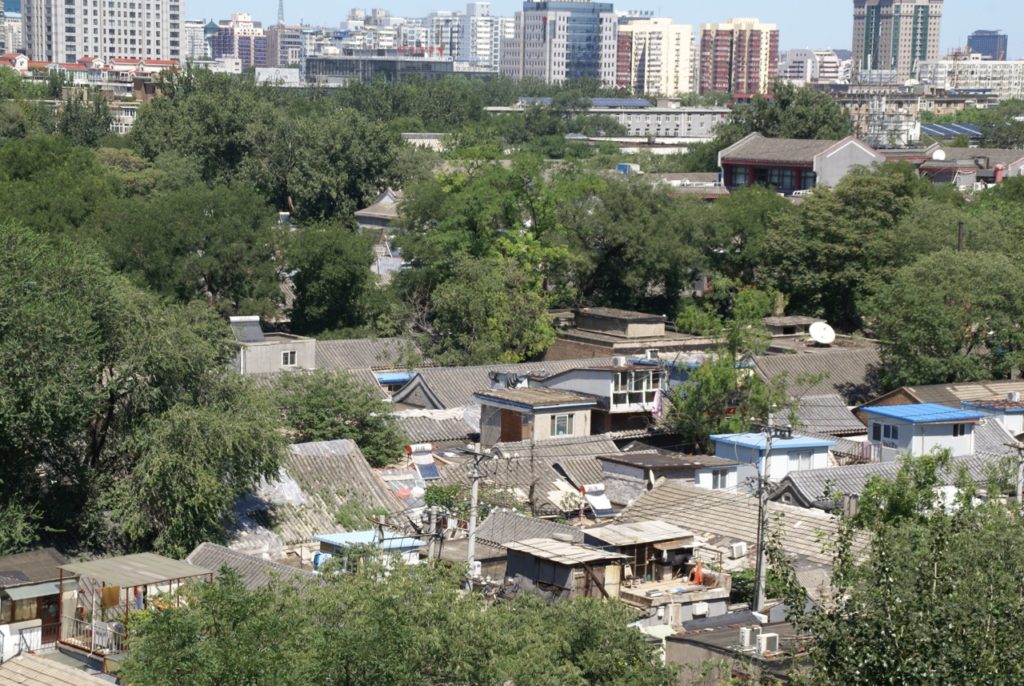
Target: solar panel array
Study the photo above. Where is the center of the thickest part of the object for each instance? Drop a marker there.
(951, 130)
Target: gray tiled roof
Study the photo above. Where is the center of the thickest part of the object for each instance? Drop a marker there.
(34, 566)
(317, 481)
(455, 386)
(956, 393)
(503, 526)
(722, 518)
(850, 373)
(29, 669)
(364, 353)
(253, 572)
(995, 156)
(384, 207)
(991, 437)
(761, 149)
(812, 484)
(421, 429)
(827, 414)
(363, 376)
(581, 471)
(522, 468)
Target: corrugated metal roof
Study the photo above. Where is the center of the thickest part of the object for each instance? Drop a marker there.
(722, 518)
(253, 572)
(392, 540)
(34, 670)
(455, 386)
(850, 373)
(580, 471)
(504, 526)
(924, 413)
(813, 484)
(636, 533)
(760, 441)
(365, 353)
(569, 554)
(426, 429)
(141, 569)
(954, 394)
(827, 414)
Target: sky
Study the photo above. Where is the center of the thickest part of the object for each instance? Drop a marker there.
(802, 23)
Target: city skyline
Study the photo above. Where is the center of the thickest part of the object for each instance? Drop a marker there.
(802, 25)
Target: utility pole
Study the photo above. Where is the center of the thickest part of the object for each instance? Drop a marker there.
(474, 498)
(432, 519)
(761, 574)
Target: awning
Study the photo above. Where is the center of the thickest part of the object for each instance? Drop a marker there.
(33, 591)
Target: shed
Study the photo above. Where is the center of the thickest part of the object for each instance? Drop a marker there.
(570, 569)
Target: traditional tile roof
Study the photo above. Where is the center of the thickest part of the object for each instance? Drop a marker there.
(32, 567)
(253, 572)
(524, 469)
(455, 386)
(956, 393)
(993, 156)
(364, 376)
(992, 437)
(827, 414)
(758, 148)
(852, 373)
(505, 526)
(421, 428)
(384, 207)
(580, 471)
(318, 480)
(810, 486)
(722, 518)
(364, 353)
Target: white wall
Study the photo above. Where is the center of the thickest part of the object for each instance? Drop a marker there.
(704, 478)
(589, 381)
(11, 635)
(922, 439)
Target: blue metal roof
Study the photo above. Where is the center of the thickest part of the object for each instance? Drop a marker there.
(392, 541)
(394, 377)
(758, 441)
(923, 413)
(951, 130)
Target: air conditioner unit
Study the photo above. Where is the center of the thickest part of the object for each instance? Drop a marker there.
(1013, 397)
(749, 636)
(737, 550)
(767, 644)
(700, 609)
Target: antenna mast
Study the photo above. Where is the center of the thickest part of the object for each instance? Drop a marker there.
(280, 12)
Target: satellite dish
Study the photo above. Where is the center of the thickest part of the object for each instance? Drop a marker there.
(822, 333)
(939, 155)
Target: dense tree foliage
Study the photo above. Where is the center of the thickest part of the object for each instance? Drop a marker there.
(1001, 126)
(115, 398)
(934, 597)
(326, 406)
(409, 627)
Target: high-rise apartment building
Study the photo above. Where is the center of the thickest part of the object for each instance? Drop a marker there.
(890, 37)
(284, 45)
(562, 40)
(66, 30)
(242, 38)
(740, 56)
(193, 41)
(655, 56)
(480, 36)
(991, 45)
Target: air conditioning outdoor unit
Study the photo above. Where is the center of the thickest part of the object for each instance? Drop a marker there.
(700, 609)
(749, 636)
(767, 644)
(1013, 397)
(737, 550)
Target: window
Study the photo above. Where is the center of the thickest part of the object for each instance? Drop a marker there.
(288, 358)
(960, 430)
(18, 610)
(720, 479)
(801, 461)
(561, 425)
(876, 431)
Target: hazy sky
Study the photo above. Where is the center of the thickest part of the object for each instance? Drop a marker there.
(802, 23)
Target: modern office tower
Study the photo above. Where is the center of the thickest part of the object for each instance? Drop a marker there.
(989, 44)
(890, 38)
(66, 30)
(740, 56)
(655, 56)
(562, 40)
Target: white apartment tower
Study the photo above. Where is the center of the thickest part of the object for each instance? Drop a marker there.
(479, 35)
(66, 30)
(655, 57)
(562, 40)
(193, 41)
(810, 66)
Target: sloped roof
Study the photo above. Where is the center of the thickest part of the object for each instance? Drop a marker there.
(317, 481)
(34, 670)
(384, 207)
(758, 148)
(32, 567)
(813, 484)
(254, 572)
(995, 155)
(722, 518)
(850, 373)
(827, 414)
(954, 394)
(364, 376)
(580, 471)
(364, 353)
(522, 468)
(924, 413)
(991, 437)
(505, 526)
(420, 428)
(559, 552)
(455, 386)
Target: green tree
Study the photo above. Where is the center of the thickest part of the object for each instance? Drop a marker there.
(327, 406)
(84, 122)
(951, 317)
(332, 277)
